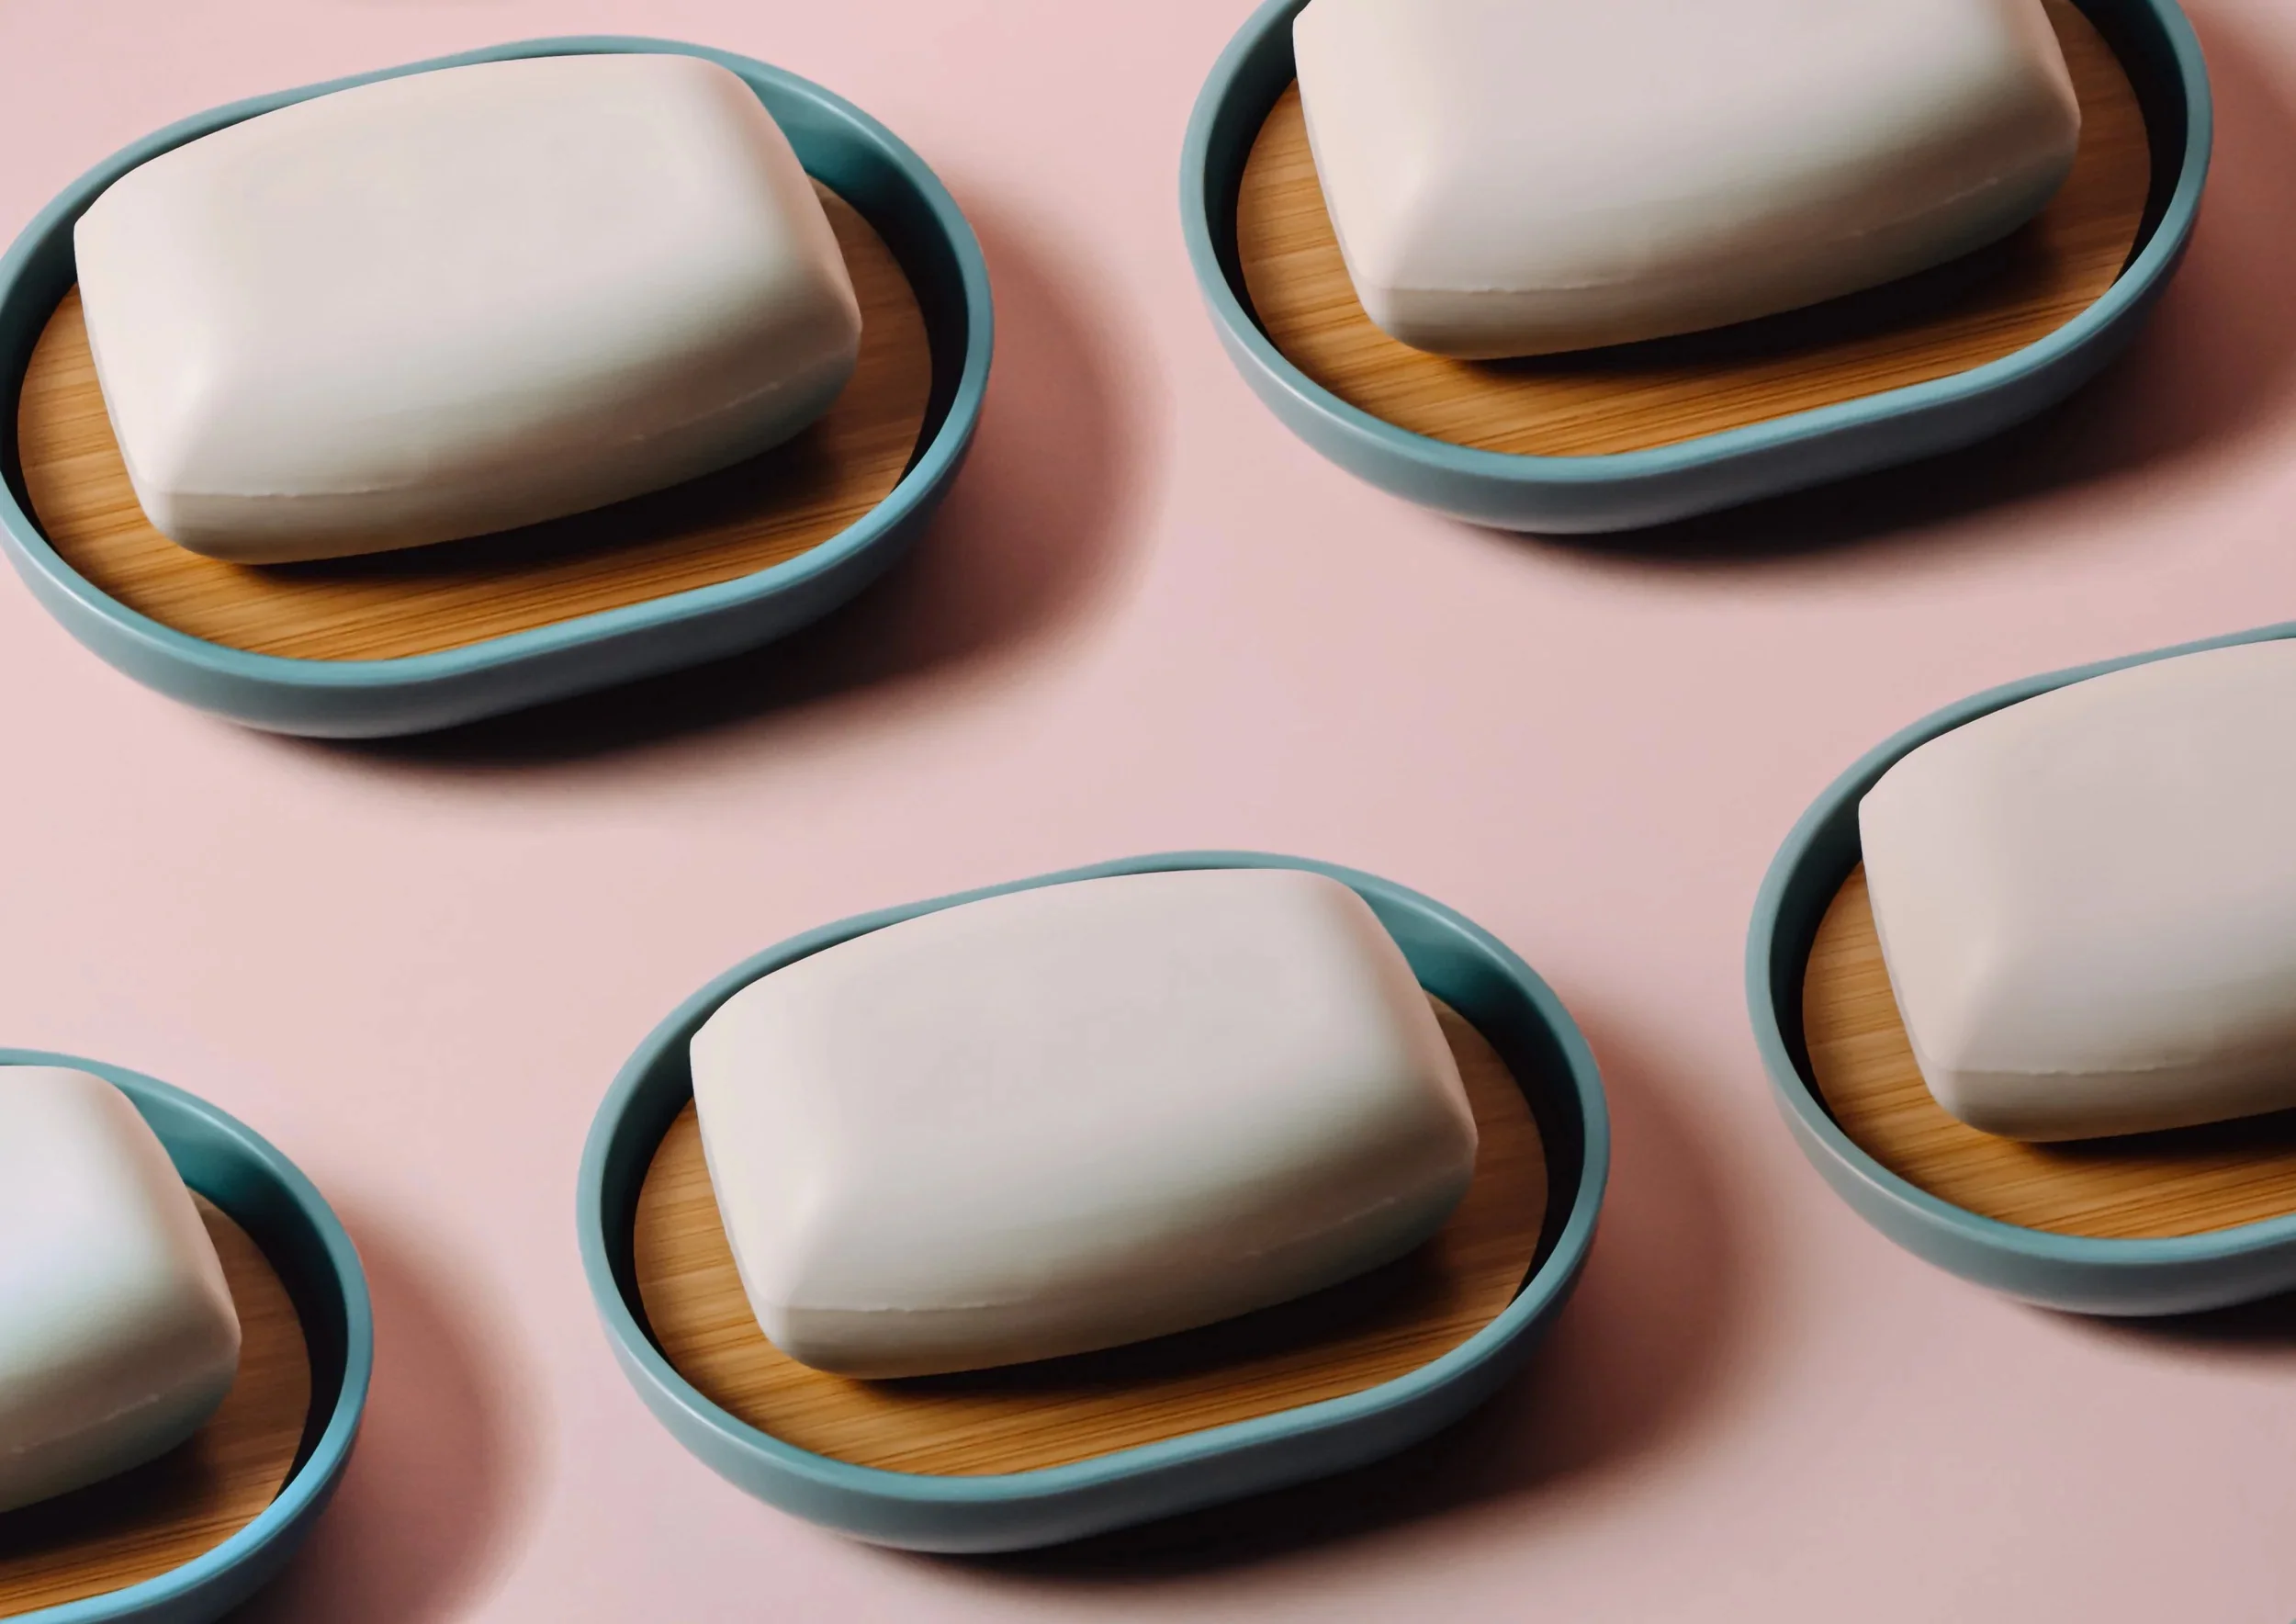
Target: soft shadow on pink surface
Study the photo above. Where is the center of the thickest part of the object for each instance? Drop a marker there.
(426, 1507)
(1028, 531)
(2262, 1331)
(1627, 1370)
(2214, 362)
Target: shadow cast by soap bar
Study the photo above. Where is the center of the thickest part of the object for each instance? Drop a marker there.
(2213, 367)
(1631, 1366)
(1016, 553)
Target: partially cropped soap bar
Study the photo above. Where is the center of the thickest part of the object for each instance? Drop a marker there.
(1516, 177)
(117, 1336)
(2086, 902)
(460, 301)
(1075, 1116)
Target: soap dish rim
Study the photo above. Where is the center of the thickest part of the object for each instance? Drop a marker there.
(1022, 1509)
(1614, 492)
(370, 699)
(227, 1573)
(2102, 1275)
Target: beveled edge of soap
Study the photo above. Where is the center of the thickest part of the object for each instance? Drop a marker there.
(2083, 1274)
(266, 1195)
(1629, 490)
(851, 153)
(1454, 959)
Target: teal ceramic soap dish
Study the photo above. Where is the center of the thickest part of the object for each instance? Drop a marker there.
(402, 642)
(188, 1537)
(1640, 435)
(2150, 1224)
(1032, 1455)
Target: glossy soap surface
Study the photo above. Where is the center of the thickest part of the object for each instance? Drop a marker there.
(1075, 1116)
(460, 301)
(118, 1333)
(1514, 177)
(2086, 901)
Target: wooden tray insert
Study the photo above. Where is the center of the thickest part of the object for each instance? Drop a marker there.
(1634, 397)
(718, 528)
(1352, 1337)
(155, 1518)
(2186, 1182)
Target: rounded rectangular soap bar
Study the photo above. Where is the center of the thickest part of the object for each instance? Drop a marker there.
(1516, 177)
(1075, 1116)
(2086, 902)
(459, 302)
(118, 1336)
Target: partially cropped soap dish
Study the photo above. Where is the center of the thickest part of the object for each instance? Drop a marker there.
(188, 1537)
(407, 642)
(1617, 439)
(2153, 1224)
(1035, 1454)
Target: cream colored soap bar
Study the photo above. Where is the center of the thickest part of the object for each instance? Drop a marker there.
(2088, 901)
(1515, 177)
(1075, 1116)
(117, 1336)
(460, 301)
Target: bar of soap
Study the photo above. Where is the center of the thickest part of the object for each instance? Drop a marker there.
(1519, 177)
(460, 301)
(1075, 1116)
(117, 1336)
(2086, 901)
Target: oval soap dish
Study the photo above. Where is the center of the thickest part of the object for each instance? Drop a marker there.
(1035, 1454)
(1638, 435)
(2145, 1224)
(187, 1537)
(402, 642)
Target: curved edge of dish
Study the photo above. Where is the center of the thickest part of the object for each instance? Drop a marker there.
(2082, 1274)
(1634, 490)
(425, 691)
(1495, 989)
(268, 1195)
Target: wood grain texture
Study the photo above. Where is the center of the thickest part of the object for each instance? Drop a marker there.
(1632, 397)
(1339, 1341)
(717, 528)
(2186, 1182)
(157, 1517)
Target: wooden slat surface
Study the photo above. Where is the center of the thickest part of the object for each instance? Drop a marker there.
(717, 528)
(1635, 397)
(157, 1517)
(2153, 1184)
(1339, 1341)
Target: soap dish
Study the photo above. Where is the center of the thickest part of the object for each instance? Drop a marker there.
(402, 642)
(1037, 1454)
(2153, 1224)
(188, 1537)
(1639, 434)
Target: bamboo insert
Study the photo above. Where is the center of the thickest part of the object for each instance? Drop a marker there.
(2185, 1182)
(1635, 397)
(420, 601)
(155, 1518)
(1340, 1341)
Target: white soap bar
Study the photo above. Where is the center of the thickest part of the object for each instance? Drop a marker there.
(117, 1336)
(2088, 901)
(1515, 177)
(1075, 1116)
(460, 301)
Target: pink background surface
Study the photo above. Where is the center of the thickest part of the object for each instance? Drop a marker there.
(1147, 619)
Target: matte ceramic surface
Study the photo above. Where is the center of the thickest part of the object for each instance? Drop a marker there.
(841, 146)
(2087, 1274)
(1453, 958)
(283, 1214)
(1628, 489)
